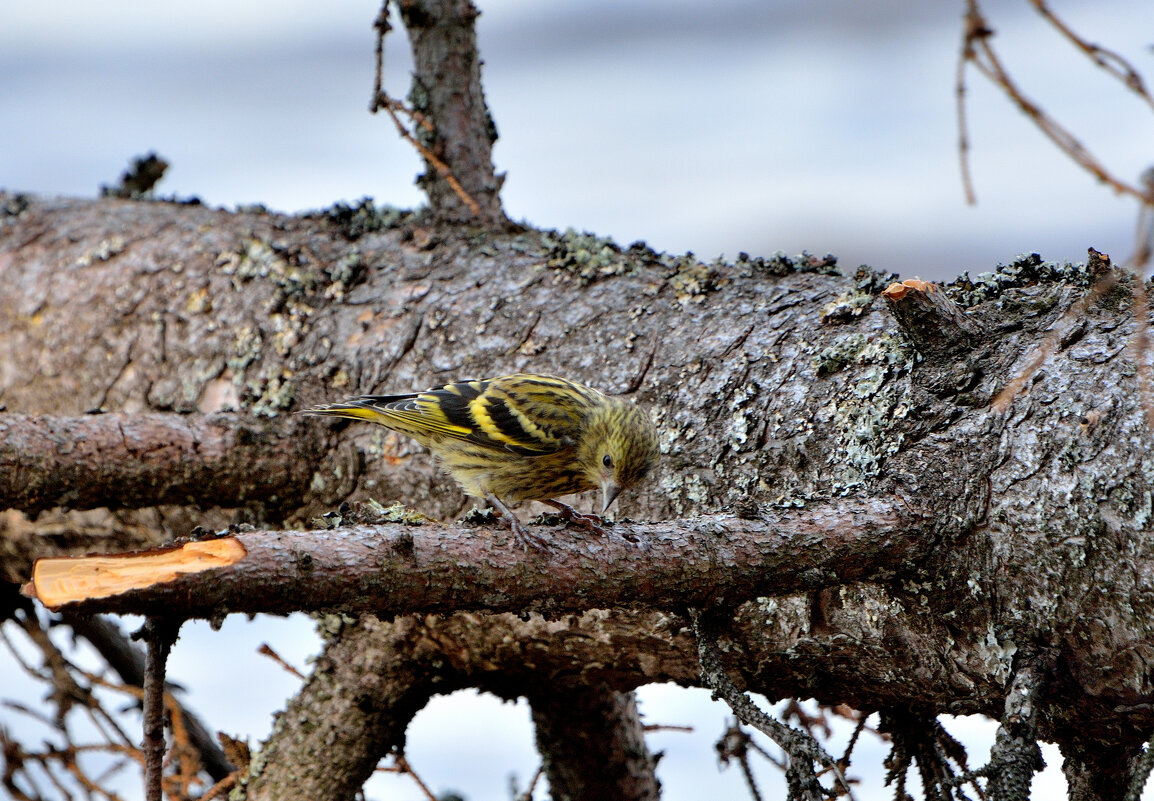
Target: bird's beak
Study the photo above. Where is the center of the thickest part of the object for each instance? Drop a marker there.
(609, 493)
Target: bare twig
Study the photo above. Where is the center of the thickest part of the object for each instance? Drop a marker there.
(266, 650)
(735, 744)
(920, 738)
(136, 460)
(392, 107)
(527, 795)
(1113, 63)
(403, 766)
(977, 50)
(857, 730)
(974, 30)
(652, 727)
(159, 635)
(802, 749)
(128, 662)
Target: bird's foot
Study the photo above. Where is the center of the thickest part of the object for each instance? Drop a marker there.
(591, 523)
(525, 538)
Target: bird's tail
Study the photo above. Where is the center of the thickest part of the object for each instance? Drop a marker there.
(351, 409)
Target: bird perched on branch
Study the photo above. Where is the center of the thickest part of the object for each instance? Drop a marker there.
(522, 437)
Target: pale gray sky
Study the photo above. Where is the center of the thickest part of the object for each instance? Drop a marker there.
(712, 127)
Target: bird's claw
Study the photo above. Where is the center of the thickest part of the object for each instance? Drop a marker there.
(526, 538)
(591, 523)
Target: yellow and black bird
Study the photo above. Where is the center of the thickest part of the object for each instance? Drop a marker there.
(522, 437)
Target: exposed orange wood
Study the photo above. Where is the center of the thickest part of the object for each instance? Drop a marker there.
(61, 580)
(897, 291)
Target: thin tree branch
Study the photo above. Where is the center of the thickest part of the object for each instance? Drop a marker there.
(973, 31)
(129, 663)
(159, 634)
(976, 50)
(1111, 62)
(802, 749)
(392, 107)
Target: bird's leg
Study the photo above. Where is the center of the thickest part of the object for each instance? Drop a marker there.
(526, 538)
(591, 523)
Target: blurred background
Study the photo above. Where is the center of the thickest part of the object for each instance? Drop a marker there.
(715, 127)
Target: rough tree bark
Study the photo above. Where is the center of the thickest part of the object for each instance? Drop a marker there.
(780, 389)
(572, 721)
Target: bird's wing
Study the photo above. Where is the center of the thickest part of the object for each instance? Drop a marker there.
(524, 414)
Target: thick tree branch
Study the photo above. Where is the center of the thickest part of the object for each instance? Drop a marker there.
(400, 569)
(1094, 773)
(134, 460)
(579, 725)
(363, 692)
(1039, 526)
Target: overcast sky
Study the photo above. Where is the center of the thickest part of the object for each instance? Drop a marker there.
(716, 127)
(713, 127)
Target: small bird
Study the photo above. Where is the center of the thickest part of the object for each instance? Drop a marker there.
(522, 437)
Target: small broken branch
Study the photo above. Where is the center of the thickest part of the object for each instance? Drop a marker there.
(402, 766)
(929, 318)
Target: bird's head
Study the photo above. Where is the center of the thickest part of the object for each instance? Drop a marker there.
(619, 447)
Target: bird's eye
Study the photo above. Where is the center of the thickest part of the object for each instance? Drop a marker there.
(607, 461)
